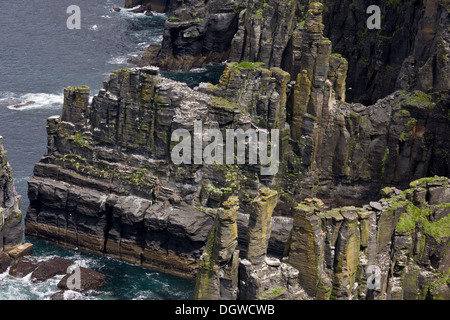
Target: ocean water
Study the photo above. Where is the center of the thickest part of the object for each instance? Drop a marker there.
(39, 57)
(123, 280)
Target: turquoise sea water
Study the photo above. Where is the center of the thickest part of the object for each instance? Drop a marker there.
(123, 280)
(39, 57)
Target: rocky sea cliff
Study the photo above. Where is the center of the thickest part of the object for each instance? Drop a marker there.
(11, 230)
(359, 206)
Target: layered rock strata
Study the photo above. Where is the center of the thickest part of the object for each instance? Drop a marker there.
(11, 230)
(410, 51)
(217, 278)
(391, 249)
(332, 143)
(224, 276)
(196, 33)
(108, 184)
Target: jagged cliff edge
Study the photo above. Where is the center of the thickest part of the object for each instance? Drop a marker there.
(107, 183)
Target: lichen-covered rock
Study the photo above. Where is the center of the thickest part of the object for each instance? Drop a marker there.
(11, 231)
(260, 225)
(261, 276)
(306, 247)
(217, 278)
(271, 31)
(420, 60)
(404, 244)
(259, 21)
(364, 148)
(269, 280)
(196, 33)
(108, 184)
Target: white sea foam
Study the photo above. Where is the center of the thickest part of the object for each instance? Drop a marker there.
(143, 45)
(30, 101)
(119, 60)
(72, 295)
(127, 13)
(198, 70)
(123, 60)
(158, 14)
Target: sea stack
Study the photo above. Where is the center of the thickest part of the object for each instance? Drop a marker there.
(11, 231)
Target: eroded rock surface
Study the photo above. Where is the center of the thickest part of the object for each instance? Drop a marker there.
(108, 183)
(336, 251)
(410, 51)
(11, 231)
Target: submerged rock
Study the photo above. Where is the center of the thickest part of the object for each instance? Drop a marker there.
(23, 266)
(89, 280)
(50, 268)
(28, 103)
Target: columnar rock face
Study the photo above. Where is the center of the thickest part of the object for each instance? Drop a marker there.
(108, 183)
(343, 150)
(11, 231)
(395, 141)
(261, 276)
(391, 249)
(260, 225)
(96, 190)
(338, 151)
(224, 276)
(218, 273)
(196, 33)
(264, 32)
(410, 51)
(327, 142)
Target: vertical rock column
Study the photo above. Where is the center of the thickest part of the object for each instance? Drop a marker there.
(319, 83)
(11, 231)
(346, 259)
(259, 226)
(306, 247)
(260, 276)
(217, 277)
(76, 102)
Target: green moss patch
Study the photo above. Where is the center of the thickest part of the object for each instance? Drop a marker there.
(413, 215)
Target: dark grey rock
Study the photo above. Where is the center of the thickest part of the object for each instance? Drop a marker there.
(50, 268)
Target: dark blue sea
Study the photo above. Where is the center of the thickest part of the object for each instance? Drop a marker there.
(39, 57)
